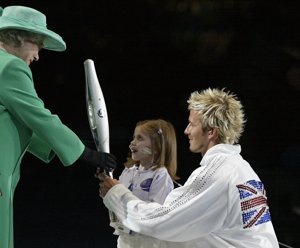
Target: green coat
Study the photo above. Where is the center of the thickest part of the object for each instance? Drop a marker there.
(26, 125)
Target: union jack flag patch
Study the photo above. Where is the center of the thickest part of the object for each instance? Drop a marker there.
(255, 209)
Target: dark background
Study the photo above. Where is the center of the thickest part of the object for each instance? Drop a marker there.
(149, 56)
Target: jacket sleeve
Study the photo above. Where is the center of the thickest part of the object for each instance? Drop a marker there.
(40, 149)
(21, 100)
(195, 209)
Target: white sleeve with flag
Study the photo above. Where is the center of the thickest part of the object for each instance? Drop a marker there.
(222, 204)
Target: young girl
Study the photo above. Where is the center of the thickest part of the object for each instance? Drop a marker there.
(149, 173)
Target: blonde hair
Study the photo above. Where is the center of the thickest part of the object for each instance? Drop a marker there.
(163, 145)
(219, 109)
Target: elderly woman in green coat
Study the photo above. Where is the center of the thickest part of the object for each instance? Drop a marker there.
(25, 123)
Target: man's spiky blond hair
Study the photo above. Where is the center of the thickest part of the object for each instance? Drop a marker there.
(219, 109)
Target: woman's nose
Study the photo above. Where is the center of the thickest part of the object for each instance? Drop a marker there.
(36, 57)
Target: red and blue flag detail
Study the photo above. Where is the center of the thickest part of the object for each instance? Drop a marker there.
(254, 207)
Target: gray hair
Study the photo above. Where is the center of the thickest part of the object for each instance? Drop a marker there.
(15, 37)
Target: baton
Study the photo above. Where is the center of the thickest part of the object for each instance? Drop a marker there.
(96, 108)
(97, 114)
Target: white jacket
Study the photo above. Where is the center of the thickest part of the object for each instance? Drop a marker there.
(222, 205)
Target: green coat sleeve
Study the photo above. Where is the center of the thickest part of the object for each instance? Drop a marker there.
(40, 149)
(50, 135)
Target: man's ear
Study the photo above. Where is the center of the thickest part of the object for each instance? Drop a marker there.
(213, 133)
